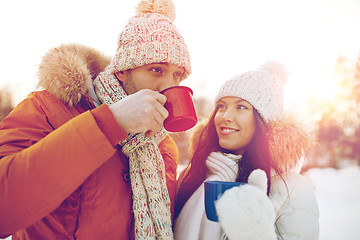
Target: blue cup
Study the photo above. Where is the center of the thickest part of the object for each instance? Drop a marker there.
(213, 191)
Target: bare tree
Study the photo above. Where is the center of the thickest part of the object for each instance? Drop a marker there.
(339, 122)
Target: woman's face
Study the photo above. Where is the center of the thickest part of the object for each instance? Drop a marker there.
(235, 124)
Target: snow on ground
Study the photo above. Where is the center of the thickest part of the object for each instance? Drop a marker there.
(338, 195)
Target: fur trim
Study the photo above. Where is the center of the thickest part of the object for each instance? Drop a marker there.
(289, 140)
(65, 71)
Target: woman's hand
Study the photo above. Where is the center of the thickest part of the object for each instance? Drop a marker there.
(246, 212)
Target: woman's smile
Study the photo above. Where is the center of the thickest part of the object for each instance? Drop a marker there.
(228, 131)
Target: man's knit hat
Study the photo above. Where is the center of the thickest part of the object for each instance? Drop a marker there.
(262, 88)
(151, 37)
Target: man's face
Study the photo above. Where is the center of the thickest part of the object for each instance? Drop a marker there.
(156, 76)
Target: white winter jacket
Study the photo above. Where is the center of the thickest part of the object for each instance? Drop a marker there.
(296, 209)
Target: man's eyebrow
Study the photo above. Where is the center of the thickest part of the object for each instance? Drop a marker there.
(181, 69)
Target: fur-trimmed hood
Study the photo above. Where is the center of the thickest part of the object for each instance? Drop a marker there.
(289, 140)
(67, 71)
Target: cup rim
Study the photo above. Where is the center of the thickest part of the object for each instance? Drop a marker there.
(222, 182)
(183, 87)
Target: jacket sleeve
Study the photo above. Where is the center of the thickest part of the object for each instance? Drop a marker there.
(170, 155)
(298, 213)
(40, 166)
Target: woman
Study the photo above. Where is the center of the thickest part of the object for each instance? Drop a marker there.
(249, 139)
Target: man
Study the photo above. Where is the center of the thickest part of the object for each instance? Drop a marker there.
(87, 157)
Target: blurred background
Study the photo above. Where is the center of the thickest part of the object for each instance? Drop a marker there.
(318, 41)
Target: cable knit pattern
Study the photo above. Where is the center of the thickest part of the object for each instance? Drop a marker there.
(151, 201)
(151, 37)
(262, 88)
(192, 223)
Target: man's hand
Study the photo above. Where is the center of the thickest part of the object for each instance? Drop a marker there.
(141, 112)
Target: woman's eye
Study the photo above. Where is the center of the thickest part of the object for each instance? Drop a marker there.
(221, 106)
(241, 107)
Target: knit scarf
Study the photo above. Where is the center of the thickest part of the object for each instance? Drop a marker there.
(151, 202)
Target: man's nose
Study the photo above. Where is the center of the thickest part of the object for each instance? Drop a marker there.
(167, 81)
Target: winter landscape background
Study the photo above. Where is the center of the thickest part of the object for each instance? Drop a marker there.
(338, 196)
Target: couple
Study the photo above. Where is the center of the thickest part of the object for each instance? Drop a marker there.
(87, 157)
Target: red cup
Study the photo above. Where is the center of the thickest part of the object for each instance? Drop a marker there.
(180, 105)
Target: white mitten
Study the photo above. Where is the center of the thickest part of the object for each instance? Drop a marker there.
(246, 212)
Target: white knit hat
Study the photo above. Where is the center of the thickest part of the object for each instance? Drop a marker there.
(151, 37)
(262, 88)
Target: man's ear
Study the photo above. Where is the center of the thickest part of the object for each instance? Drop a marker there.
(120, 75)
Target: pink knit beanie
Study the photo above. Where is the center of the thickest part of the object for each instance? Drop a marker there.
(151, 37)
(262, 88)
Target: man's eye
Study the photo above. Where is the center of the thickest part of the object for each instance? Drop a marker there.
(157, 70)
(178, 74)
(177, 77)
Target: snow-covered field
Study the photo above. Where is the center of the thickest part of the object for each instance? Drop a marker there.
(338, 195)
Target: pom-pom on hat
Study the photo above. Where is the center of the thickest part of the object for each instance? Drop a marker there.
(151, 37)
(262, 88)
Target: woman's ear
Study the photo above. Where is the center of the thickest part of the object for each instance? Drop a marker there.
(120, 75)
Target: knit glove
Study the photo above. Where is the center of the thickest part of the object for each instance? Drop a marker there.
(246, 212)
(221, 167)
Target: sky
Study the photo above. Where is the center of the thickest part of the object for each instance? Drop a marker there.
(224, 39)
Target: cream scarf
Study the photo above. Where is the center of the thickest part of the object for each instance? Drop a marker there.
(151, 202)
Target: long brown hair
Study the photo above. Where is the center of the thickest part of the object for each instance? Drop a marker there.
(256, 156)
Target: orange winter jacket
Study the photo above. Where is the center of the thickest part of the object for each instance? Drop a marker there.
(62, 174)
